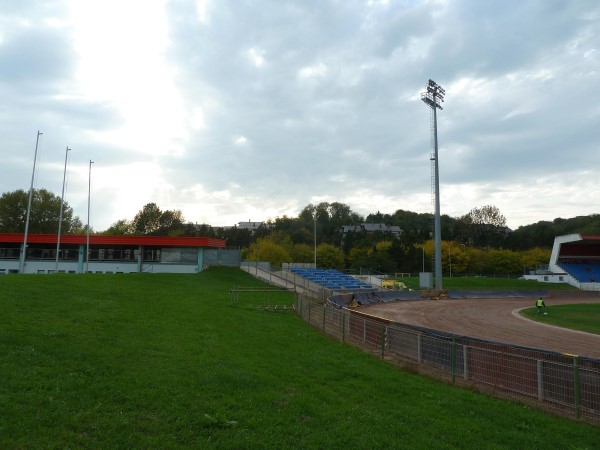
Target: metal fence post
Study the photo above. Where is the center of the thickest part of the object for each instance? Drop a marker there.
(465, 362)
(324, 312)
(453, 359)
(382, 341)
(540, 380)
(577, 386)
(344, 326)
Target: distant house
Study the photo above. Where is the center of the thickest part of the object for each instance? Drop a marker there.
(348, 228)
(373, 227)
(251, 226)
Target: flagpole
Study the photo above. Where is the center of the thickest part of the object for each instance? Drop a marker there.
(60, 216)
(87, 249)
(24, 249)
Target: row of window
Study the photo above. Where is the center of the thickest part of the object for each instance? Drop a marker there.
(165, 255)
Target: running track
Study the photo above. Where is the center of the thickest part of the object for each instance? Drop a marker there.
(493, 319)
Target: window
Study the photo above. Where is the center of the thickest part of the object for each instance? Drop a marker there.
(179, 256)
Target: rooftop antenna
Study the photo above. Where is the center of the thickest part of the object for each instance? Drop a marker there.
(22, 262)
(432, 98)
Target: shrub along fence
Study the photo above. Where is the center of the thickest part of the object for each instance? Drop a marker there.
(567, 385)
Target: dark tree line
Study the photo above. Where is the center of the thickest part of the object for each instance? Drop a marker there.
(483, 228)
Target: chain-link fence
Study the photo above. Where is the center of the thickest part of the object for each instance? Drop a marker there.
(567, 385)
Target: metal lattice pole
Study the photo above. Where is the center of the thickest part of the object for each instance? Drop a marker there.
(433, 97)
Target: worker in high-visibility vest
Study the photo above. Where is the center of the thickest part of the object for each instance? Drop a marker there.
(539, 305)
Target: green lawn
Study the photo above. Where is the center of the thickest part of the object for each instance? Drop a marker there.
(167, 361)
(582, 317)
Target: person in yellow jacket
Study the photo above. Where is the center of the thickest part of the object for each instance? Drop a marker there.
(539, 303)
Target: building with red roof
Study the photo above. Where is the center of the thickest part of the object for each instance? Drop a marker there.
(113, 254)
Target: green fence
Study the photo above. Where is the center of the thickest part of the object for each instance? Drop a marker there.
(566, 385)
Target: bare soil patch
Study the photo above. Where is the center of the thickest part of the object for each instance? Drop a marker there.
(493, 319)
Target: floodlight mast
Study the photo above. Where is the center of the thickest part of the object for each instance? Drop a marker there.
(433, 97)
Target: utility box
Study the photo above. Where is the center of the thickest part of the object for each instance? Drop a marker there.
(425, 280)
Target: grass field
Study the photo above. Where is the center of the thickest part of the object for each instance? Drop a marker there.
(167, 361)
(582, 317)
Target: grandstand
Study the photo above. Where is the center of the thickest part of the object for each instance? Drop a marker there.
(331, 279)
(575, 259)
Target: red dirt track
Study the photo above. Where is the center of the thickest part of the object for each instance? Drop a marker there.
(494, 320)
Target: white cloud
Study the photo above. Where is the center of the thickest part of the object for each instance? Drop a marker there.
(257, 56)
(122, 63)
(316, 70)
(201, 10)
(325, 103)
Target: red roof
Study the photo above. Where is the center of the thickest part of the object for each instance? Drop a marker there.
(101, 239)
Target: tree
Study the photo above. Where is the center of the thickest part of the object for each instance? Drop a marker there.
(235, 237)
(266, 250)
(44, 214)
(482, 227)
(330, 257)
(171, 223)
(152, 221)
(455, 257)
(121, 227)
(504, 261)
(302, 253)
(379, 259)
(147, 221)
(357, 257)
(534, 257)
(487, 215)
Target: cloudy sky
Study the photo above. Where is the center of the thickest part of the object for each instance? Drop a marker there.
(235, 110)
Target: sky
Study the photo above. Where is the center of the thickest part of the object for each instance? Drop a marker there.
(249, 110)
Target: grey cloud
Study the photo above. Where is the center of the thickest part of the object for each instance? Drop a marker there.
(357, 123)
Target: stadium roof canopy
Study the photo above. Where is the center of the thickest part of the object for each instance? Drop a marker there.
(574, 247)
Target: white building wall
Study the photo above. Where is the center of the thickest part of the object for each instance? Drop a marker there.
(45, 267)
(558, 240)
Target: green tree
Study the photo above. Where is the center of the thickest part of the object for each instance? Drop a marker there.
(504, 261)
(357, 257)
(44, 213)
(235, 236)
(532, 258)
(121, 227)
(147, 221)
(458, 257)
(302, 253)
(330, 257)
(379, 259)
(152, 221)
(171, 223)
(266, 250)
(482, 227)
